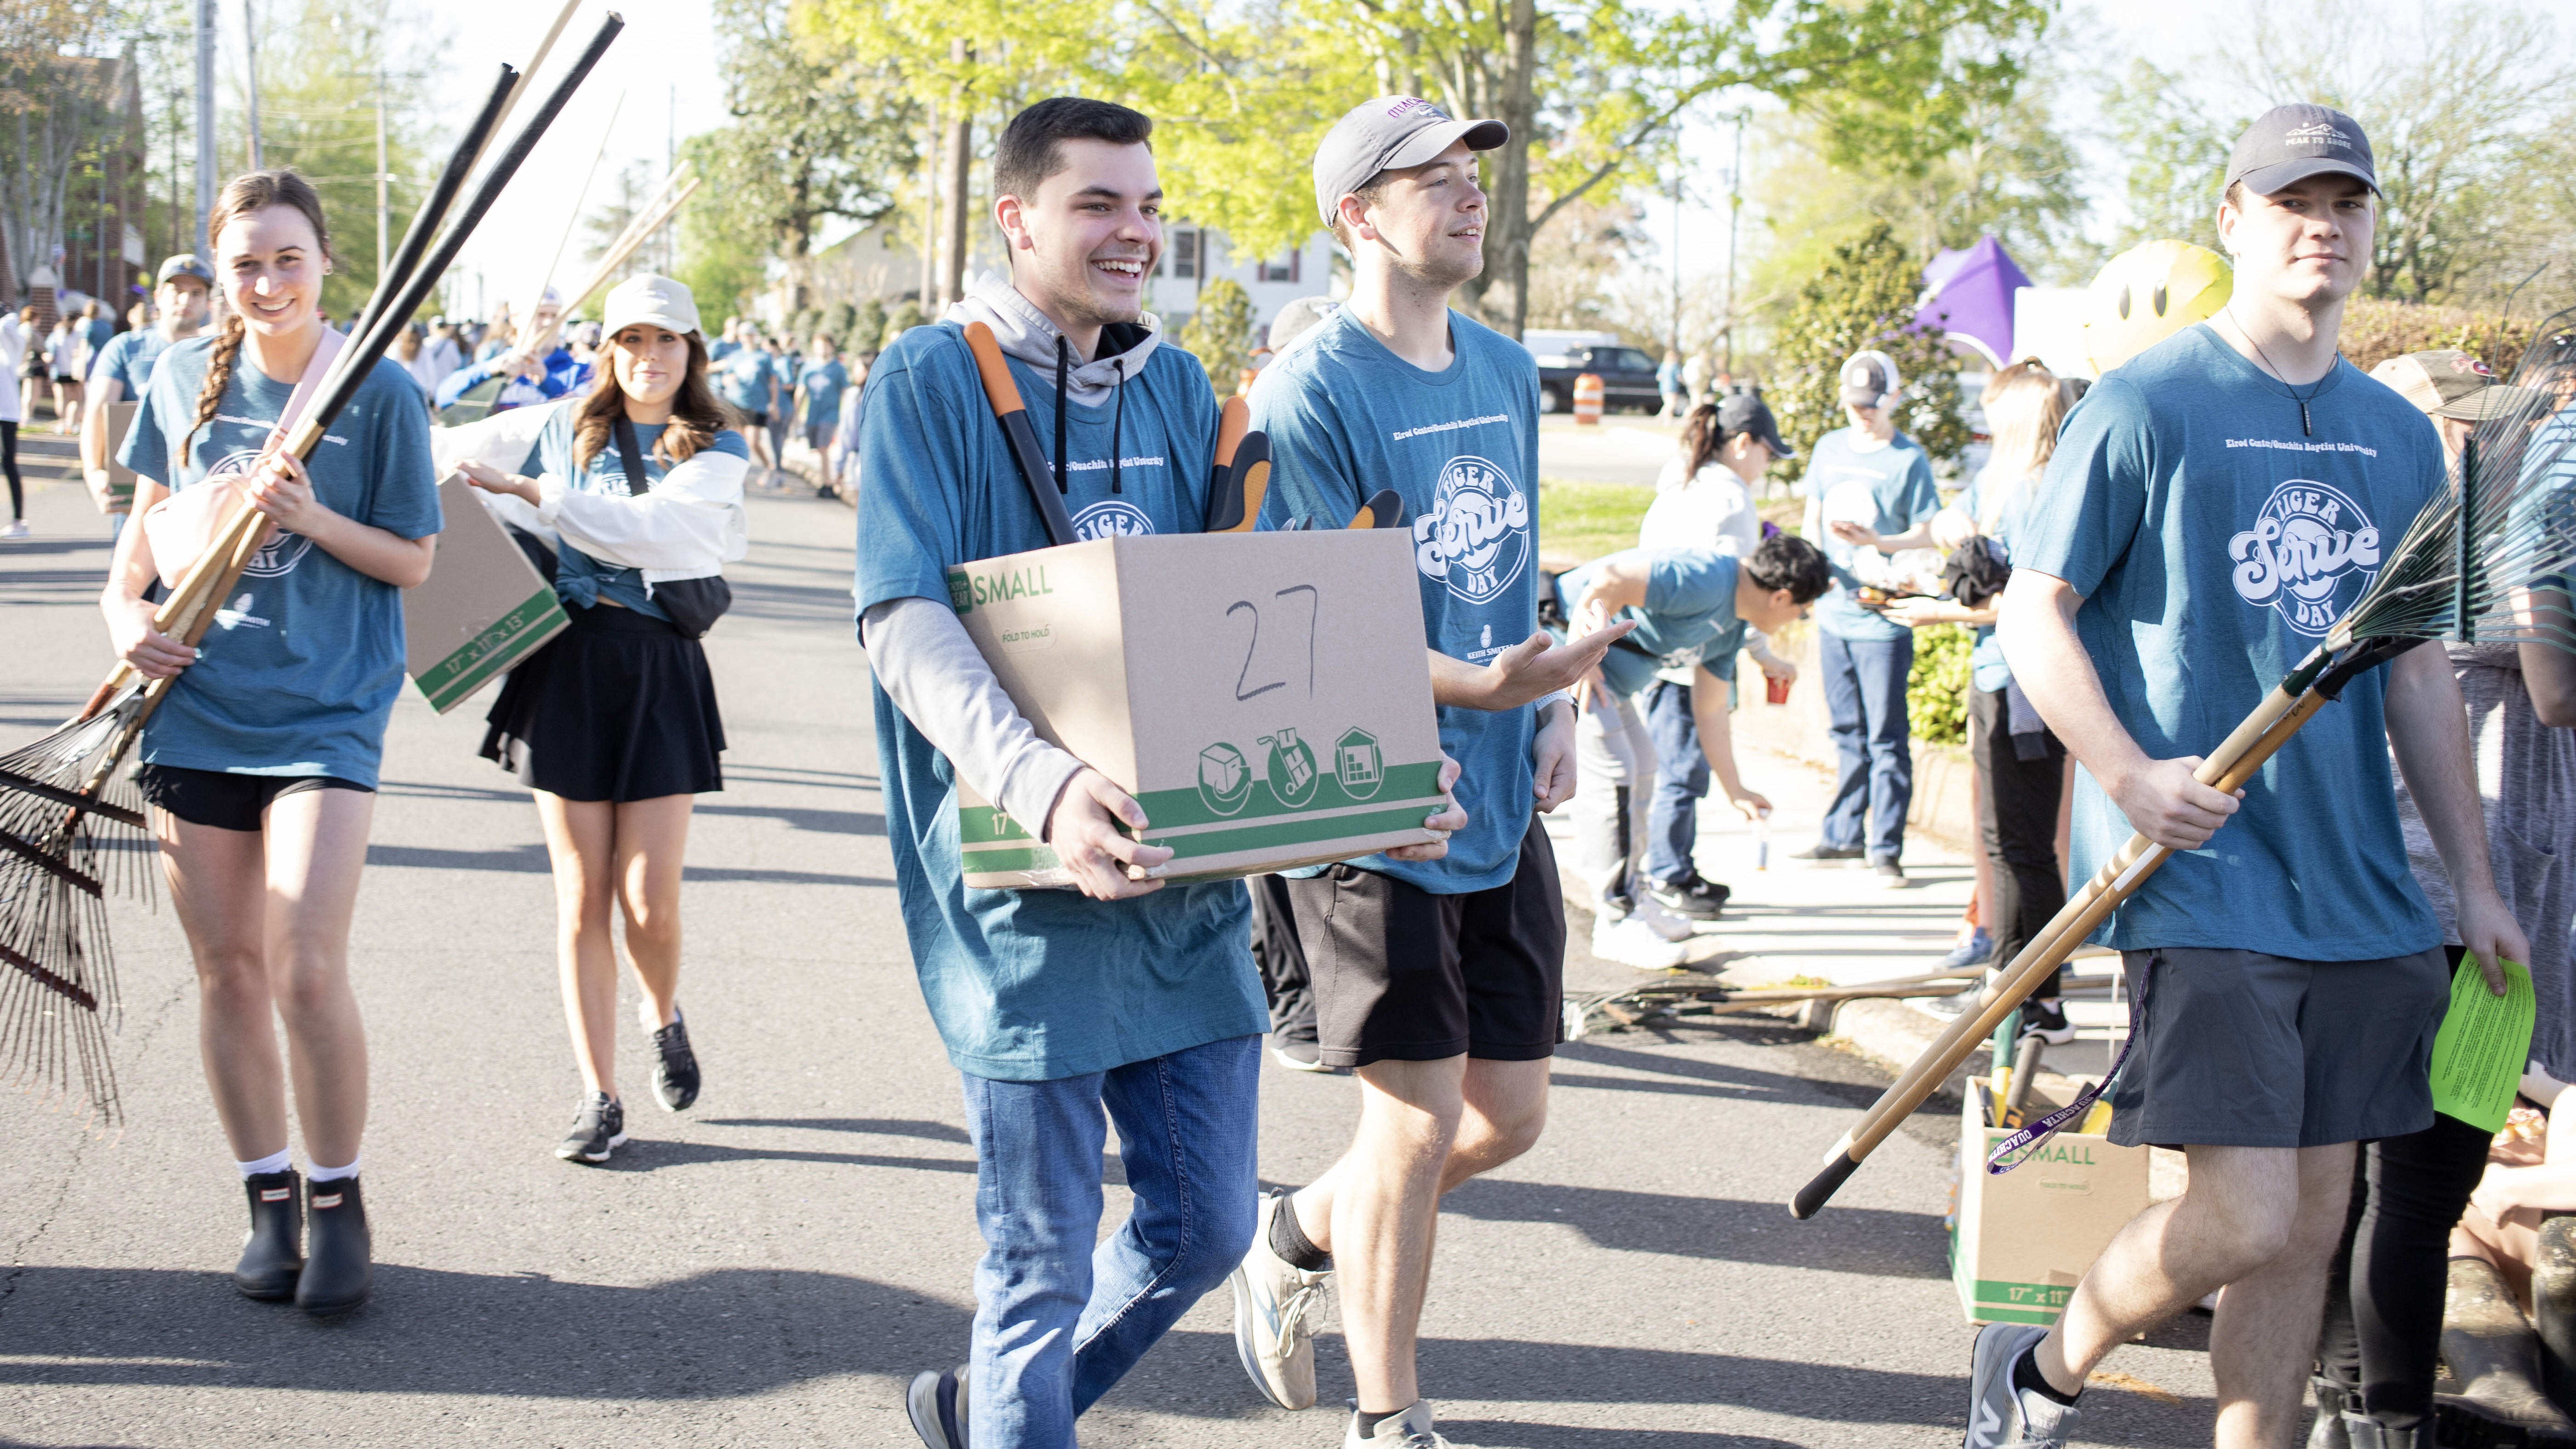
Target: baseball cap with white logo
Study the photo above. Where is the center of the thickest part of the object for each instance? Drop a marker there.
(651, 299)
(2288, 144)
(1390, 133)
(1870, 380)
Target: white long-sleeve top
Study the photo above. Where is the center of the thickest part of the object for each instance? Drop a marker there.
(935, 675)
(690, 525)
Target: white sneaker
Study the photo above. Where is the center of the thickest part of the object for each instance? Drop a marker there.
(1273, 1299)
(1630, 941)
(1408, 1430)
(17, 528)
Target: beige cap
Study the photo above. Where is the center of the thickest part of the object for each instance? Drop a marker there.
(2449, 383)
(649, 298)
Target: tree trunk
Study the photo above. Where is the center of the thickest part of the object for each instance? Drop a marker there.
(1501, 295)
(929, 209)
(961, 161)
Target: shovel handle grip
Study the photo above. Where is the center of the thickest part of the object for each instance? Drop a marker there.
(999, 388)
(1820, 1190)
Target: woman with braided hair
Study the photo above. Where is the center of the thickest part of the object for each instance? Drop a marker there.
(261, 761)
(614, 725)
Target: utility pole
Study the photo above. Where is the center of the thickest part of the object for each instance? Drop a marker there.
(250, 50)
(205, 37)
(1734, 209)
(961, 160)
(930, 215)
(1677, 244)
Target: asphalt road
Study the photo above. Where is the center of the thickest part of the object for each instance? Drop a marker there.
(771, 1267)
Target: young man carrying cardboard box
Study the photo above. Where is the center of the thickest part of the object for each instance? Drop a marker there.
(1439, 982)
(1127, 994)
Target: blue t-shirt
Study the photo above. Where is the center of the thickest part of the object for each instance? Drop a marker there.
(2214, 545)
(1346, 417)
(823, 384)
(1987, 669)
(303, 662)
(580, 580)
(1688, 619)
(722, 348)
(1891, 489)
(744, 378)
(1033, 985)
(127, 358)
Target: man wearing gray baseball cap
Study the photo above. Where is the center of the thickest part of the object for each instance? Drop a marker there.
(1437, 981)
(2213, 510)
(180, 295)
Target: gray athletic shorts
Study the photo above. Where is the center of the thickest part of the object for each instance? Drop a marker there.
(2241, 1049)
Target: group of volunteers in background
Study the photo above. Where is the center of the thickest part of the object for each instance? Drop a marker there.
(2290, 967)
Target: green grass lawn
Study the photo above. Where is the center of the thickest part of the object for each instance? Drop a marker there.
(1579, 522)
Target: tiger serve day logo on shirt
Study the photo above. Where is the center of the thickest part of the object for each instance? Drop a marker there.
(2310, 554)
(1476, 535)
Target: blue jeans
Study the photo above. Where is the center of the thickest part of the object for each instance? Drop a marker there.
(1059, 1322)
(1672, 819)
(1865, 692)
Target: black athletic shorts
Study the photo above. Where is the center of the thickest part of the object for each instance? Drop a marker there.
(226, 801)
(758, 420)
(1403, 975)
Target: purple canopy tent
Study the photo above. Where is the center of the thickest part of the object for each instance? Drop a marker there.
(1969, 294)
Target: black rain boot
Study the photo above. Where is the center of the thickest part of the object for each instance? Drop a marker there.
(342, 1265)
(2364, 1432)
(273, 1253)
(2495, 1355)
(2553, 1309)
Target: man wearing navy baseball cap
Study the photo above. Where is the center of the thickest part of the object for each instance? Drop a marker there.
(2214, 508)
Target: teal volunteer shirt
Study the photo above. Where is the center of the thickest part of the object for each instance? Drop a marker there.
(1889, 488)
(2214, 544)
(304, 660)
(1346, 417)
(1688, 619)
(1033, 985)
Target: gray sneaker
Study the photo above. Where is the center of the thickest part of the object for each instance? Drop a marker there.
(1273, 1301)
(1999, 1417)
(1408, 1430)
(936, 1403)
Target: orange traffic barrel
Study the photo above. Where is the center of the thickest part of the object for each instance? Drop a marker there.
(1587, 399)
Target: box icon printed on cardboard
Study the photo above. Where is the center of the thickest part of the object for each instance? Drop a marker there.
(1196, 671)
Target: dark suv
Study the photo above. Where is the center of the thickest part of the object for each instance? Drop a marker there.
(1627, 379)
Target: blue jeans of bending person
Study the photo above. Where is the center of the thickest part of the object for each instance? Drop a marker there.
(1865, 694)
(1058, 1321)
(1681, 782)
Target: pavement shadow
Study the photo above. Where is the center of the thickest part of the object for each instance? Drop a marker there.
(516, 859)
(642, 1154)
(1721, 1079)
(712, 873)
(1505, 1435)
(822, 822)
(873, 1126)
(723, 1333)
(1877, 1242)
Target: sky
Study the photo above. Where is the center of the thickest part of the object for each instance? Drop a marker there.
(658, 80)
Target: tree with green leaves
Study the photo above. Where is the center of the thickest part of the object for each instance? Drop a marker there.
(905, 316)
(1219, 333)
(1864, 298)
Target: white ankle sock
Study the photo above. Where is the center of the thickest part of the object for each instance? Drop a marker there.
(273, 1162)
(318, 1173)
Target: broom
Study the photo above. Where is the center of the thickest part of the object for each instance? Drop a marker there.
(2462, 571)
(65, 836)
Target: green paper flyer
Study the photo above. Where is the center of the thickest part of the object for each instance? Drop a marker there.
(2478, 1055)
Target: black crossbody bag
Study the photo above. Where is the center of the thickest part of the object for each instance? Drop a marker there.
(693, 604)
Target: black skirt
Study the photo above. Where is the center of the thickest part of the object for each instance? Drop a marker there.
(619, 707)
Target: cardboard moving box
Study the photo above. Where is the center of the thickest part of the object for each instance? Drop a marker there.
(483, 608)
(2024, 1237)
(1265, 696)
(119, 497)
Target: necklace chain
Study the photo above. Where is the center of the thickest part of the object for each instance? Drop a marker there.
(2306, 427)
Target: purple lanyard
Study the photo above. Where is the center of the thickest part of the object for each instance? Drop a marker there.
(2024, 1144)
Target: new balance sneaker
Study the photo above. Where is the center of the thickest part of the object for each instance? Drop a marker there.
(2048, 1018)
(1408, 1430)
(675, 1065)
(937, 1403)
(597, 1129)
(1822, 851)
(2001, 1416)
(1693, 899)
(1274, 1300)
(1631, 942)
(1973, 950)
(1297, 1056)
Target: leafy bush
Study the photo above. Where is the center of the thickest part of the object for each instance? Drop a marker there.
(1936, 693)
(1219, 333)
(905, 316)
(2375, 330)
(1864, 298)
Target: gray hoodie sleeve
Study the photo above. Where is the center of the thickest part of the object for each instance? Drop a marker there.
(934, 674)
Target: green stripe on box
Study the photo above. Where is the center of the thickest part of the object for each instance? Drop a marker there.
(2050, 1297)
(1183, 809)
(993, 860)
(1292, 831)
(537, 619)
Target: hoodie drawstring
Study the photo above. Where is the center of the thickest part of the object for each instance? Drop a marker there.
(1117, 422)
(1061, 351)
